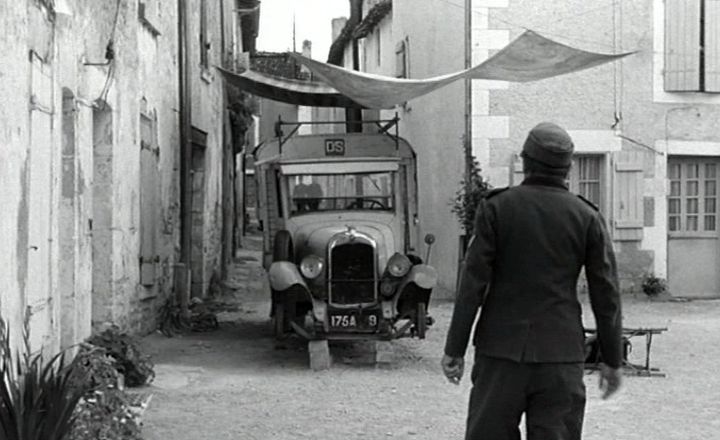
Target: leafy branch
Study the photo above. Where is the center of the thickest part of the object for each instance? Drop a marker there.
(467, 198)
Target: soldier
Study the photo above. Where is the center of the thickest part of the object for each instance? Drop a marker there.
(529, 245)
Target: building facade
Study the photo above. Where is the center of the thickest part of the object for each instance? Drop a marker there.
(90, 162)
(645, 128)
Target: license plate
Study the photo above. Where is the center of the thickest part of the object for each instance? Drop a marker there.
(350, 321)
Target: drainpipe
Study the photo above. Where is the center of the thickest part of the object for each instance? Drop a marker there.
(467, 138)
(183, 269)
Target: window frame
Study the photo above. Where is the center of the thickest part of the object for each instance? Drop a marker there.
(602, 180)
(288, 199)
(203, 36)
(700, 195)
(378, 48)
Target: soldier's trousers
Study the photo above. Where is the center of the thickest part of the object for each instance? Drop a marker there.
(552, 396)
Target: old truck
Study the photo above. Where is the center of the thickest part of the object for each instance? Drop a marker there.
(341, 237)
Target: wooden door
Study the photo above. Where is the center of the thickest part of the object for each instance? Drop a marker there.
(693, 245)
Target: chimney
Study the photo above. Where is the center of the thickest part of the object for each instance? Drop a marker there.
(307, 53)
(307, 49)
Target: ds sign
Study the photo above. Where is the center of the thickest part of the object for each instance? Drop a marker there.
(334, 147)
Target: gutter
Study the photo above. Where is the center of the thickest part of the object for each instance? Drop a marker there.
(183, 268)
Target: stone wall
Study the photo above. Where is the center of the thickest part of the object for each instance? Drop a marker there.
(89, 274)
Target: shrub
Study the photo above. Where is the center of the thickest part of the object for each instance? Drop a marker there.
(467, 198)
(653, 286)
(105, 411)
(137, 368)
(37, 398)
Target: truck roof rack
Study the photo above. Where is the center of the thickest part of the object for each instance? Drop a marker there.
(384, 127)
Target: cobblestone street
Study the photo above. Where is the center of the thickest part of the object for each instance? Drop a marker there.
(236, 384)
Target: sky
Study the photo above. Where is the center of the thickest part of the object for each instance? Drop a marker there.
(312, 22)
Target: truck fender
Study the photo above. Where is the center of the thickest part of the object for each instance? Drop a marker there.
(421, 279)
(284, 274)
(423, 275)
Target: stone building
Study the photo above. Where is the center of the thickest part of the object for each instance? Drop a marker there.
(90, 169)
(646, 128)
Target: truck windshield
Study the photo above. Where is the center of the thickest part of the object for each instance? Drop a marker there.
(332, 192)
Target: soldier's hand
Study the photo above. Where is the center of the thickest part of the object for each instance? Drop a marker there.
(453, 367)
(610, 380)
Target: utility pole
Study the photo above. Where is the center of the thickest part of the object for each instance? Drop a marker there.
(294, 33)
(467, 138)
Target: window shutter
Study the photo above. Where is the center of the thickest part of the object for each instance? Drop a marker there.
(400, 60)
(682, 40)
(628, 212)
(712, 45)
(149, 201)
(516, 171)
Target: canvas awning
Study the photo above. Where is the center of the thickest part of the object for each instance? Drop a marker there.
(529, 57)
(310, 93)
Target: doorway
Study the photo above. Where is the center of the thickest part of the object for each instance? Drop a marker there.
(693, 238)
(198, 182)
(102, 215)
(67, 222)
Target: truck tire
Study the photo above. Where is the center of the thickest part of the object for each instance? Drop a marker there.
(279, 320)
(421, 320)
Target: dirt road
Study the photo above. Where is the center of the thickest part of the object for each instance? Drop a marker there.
(236, 384)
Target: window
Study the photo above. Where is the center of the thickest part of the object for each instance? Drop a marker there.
(692, 46)
(401, 59)
(586, 177)
(378, 44)
(330, 192)
(692, 202)
(149, 198)
(204, 41)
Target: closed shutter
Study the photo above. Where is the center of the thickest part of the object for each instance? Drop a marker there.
(516, 171)
(682, 45)
(149, 201)
(712, 45)
(401, 60)
(628, 210)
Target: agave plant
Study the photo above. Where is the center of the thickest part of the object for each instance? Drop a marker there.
(37, 400)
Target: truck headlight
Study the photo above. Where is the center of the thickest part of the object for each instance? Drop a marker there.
(311, 266)
(387, 287)
(398, 265)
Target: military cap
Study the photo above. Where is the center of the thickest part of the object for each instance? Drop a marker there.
(549, 144)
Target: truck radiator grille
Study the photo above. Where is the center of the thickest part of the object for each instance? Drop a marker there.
(352, 274)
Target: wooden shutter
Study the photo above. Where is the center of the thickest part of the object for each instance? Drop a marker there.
(682, 45)
(149, 201)
(516, 171)
(401, 59)
(628, 210)
(712, 45)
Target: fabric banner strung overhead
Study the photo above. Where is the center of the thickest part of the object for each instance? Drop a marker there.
(529, 57)
(310, 93)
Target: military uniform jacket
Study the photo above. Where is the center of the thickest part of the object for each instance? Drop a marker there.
(529, 245)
